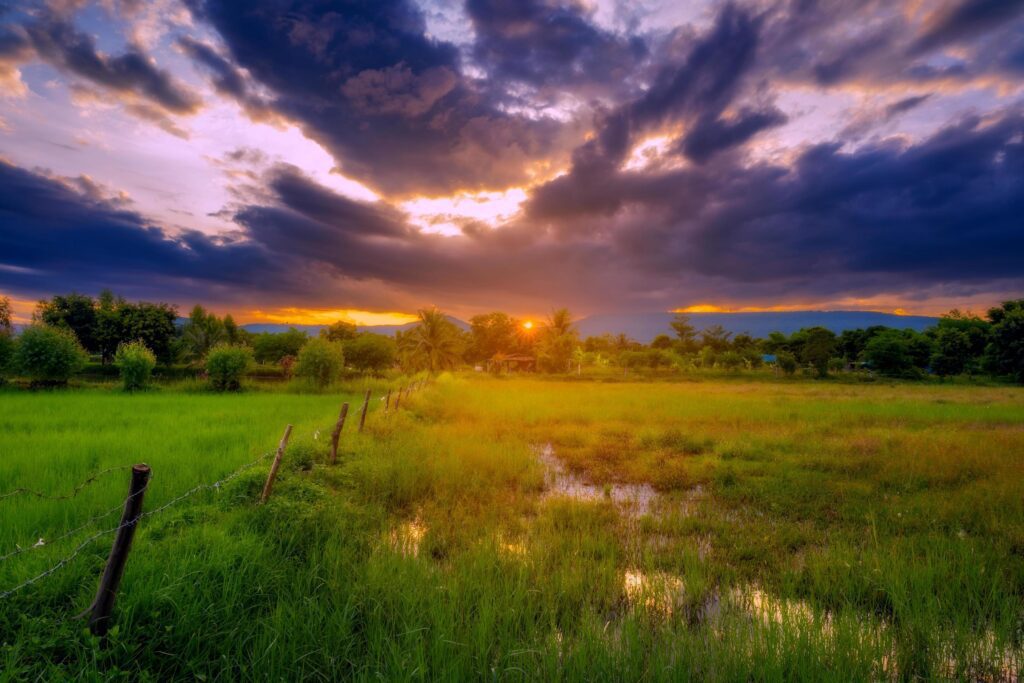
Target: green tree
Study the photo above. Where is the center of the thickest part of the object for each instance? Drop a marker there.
(557, 341)
(49, 354)
(370, 352)
(6, 326)
(662, 341)
(226, 365)
(321, 361)
(1005, 351)
(434, 343)
(952, 352)
(202, 332)
(271, 347)
(715, 337)
(136, 363)
(75, 312)
(109, 330)
(685, 333)
(816, 348)
(340, 331)
(153, 325)
(889, 353)
(786, 362)
(494, 333)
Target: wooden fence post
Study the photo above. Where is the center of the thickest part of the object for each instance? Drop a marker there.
(387, 402)
(103, 605)
(366, 406)
(269, 486)
(336, 434)
(398, 398)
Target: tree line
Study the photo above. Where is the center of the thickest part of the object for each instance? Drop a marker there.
(69, 329)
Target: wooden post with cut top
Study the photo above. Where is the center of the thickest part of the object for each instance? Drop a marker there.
(336, 434)
(272, 475)
(103, 605)
(362, 415)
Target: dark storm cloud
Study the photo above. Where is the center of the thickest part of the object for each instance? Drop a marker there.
(710, 134)
(392, 105)
(61, 235)
(965, 19)
(551, 43)
(57, 41)
(946, 209)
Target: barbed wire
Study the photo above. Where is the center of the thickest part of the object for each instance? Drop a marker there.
(42, 543)
(138, 518)
(68, 496)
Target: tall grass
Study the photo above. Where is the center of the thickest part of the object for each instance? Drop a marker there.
(802, 531)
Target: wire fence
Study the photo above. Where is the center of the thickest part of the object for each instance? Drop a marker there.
(20, 549)
(68, 496)
(106, 532)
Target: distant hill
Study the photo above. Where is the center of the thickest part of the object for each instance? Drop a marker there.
(313, 330)
(643, 327)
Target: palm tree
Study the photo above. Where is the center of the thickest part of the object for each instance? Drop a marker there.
(557, 341)
(435, 343)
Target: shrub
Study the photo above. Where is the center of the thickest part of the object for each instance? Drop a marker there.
(136, 363)
(321, 361)
(226, 365)
(786, 362)
(49, 355)
(730, 360)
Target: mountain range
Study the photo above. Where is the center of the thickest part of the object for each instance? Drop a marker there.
(644, 327)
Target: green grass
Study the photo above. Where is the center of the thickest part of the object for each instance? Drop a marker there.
(801, 530)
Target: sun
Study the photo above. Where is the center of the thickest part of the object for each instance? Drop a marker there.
(528, 325)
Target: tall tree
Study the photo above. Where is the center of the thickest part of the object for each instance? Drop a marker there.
(493, 333)
(340, 331)
(716, 337)
(75, 312)
(1005, 352)
(557, 341)
(6, 326)
(435, 343)
(202, 332)
(685, 332)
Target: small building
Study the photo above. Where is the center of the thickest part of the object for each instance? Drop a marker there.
(511, 363)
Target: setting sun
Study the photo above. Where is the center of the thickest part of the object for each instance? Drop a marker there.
(528, 325)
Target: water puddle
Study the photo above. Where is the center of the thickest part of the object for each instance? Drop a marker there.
(658, 592)
(635, 500)
(406, 538)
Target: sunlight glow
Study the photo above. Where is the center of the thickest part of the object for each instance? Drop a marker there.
(449, 215)
(528, 325)
(325, 316)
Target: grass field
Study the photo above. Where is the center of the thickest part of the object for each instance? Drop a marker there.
(528, 529)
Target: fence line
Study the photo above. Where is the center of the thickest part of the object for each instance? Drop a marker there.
(68, 496)
(174, 501)
(84, 544)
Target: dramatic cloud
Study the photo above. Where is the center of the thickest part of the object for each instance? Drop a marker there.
(56, 41)
(519, 154)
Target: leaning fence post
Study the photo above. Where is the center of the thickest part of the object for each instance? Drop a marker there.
(387, 402)
(336, 434)
(103, 605)
(398, 398)
(366, 406)
(269, 486)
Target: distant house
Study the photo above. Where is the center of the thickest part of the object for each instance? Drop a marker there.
(768, 358)
(511, 363)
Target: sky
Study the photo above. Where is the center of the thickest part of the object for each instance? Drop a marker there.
(304, 160)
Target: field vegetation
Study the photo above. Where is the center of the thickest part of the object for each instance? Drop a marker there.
(530, 529)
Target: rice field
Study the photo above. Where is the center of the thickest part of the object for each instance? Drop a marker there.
(526, 529)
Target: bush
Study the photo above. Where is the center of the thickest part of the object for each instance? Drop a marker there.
(226, 365)
(730, 360)
(786, 362)
(136, 363)
(321, 361)
(49, 355)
